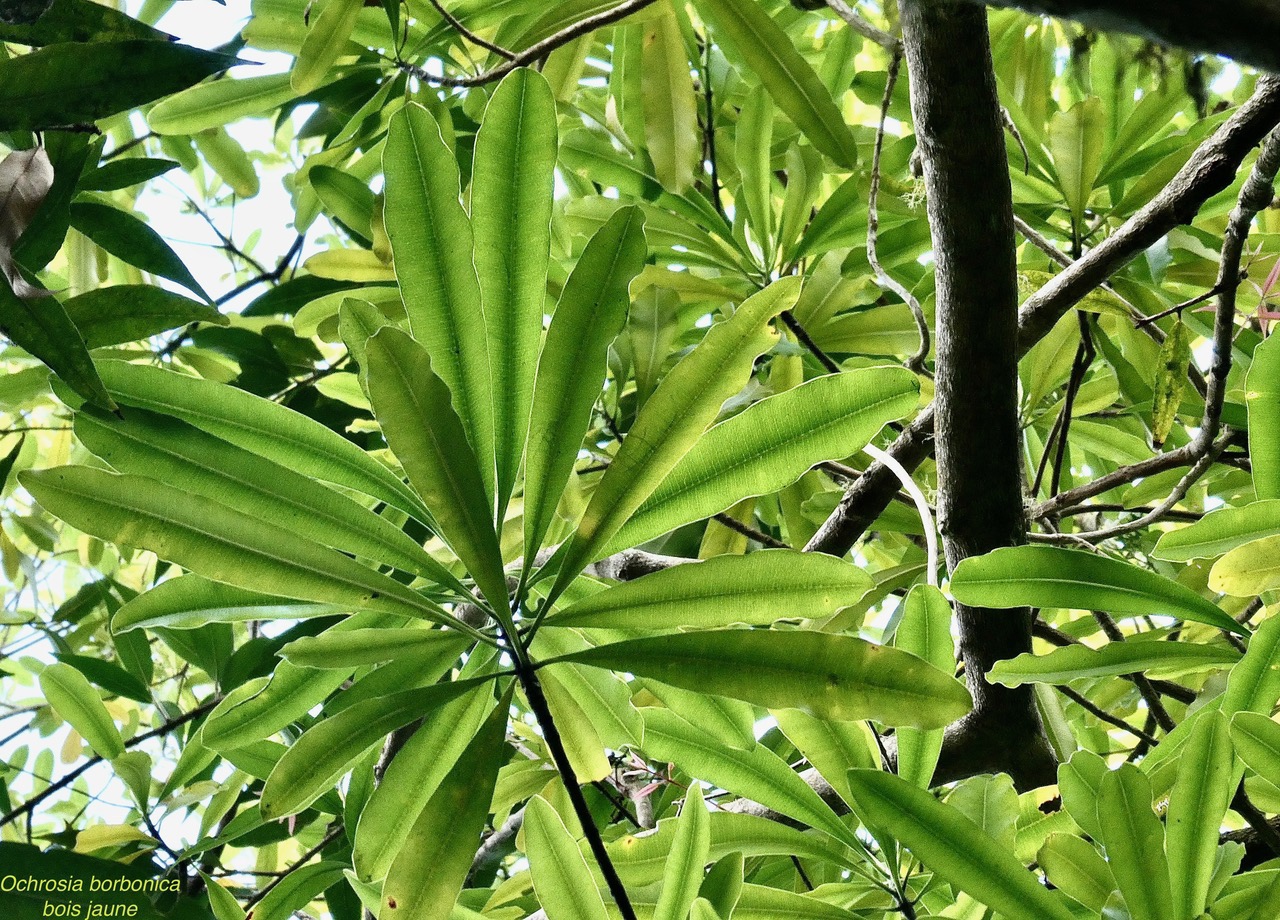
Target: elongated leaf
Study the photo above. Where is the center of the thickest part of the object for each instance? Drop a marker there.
(72, 82)
(223, 154)
(511, 198)
(1064, 665)
(757, 774)
(298, 889)
(345, 196)
(673, 419)
(160, 447)
(754, 145)
(746, 28)
(1134, 841)
(771, 445)
(561, 876)
(189, 602)
(324, 43)
(1073, 865)
(429, 871)
(130, 239)
(261, 426)
(72, 698)
(729, 722)
(129, 312)
(75, 21)
(1257, 740)
(1220, 532)
(1049, 576)
(756, 590)
(412, 405)
(953, 847)
(603, 698)
(41, 326)
(212, 540)
(583, 746)
(589, 316)
(832, 748)
(1076, 139)
(1170, 382)
(1204, 787)
(1248, 570)
(363, 646)
(925, 631)
(125, 172)
(1262, 395)
(212, 105)
(323, 753)
(431, 243)
(833, 677)
(670, 106)
(412, 777)
(689, 854)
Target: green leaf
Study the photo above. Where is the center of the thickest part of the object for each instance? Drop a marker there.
(758, 41)
(431, 243)
(298, 889)
(832, 677)
(925, 631)
(757, 774)
(129, 312)
(730, 722)
(689, 854)
(1076, 139)
(722, 888)
(511, 199)
(164, 448)
(1204, 787)
(753, 147)
(130, 239)
(363, 646)
(41, 326)
(77, 21)
(229, 161)
(314, 763)
(1257, 740)
(73, 82)
(344, 196)
(670, 107)
(222, 902)
(324, 43)
(1050, 576)
(1220, 532)
(189, 602)
(571, 368)
(218, 103)
(1248, 570)
(1171, 381)
(412, 405)
(72, 698)
(429, 871)
(411, 778)
(832, 748)
(1073, 865)
(673, 419)
(1073, 662)
(125, 172)
(212, 540)
(756, 590)
(1262, 396)
(561, 877)
(953, 847)
(1134, 840)
(771, 445)
(261, 426)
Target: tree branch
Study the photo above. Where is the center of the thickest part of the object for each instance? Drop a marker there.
(1243, 29)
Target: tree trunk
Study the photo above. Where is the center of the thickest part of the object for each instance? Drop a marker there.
(959, 131)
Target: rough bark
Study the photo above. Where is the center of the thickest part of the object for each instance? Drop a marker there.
(1242, 29)
(980, 508)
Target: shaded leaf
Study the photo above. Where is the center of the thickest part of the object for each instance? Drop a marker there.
(128, 238)
(72, 698)
(561, 876)
(129, 312)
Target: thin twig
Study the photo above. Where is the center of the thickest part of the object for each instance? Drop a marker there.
(725, 520)
(890, 43)
(807, 341)
(305, 858)
(469, 35)
(533, 52)
(916, 361)
(1089, 706)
